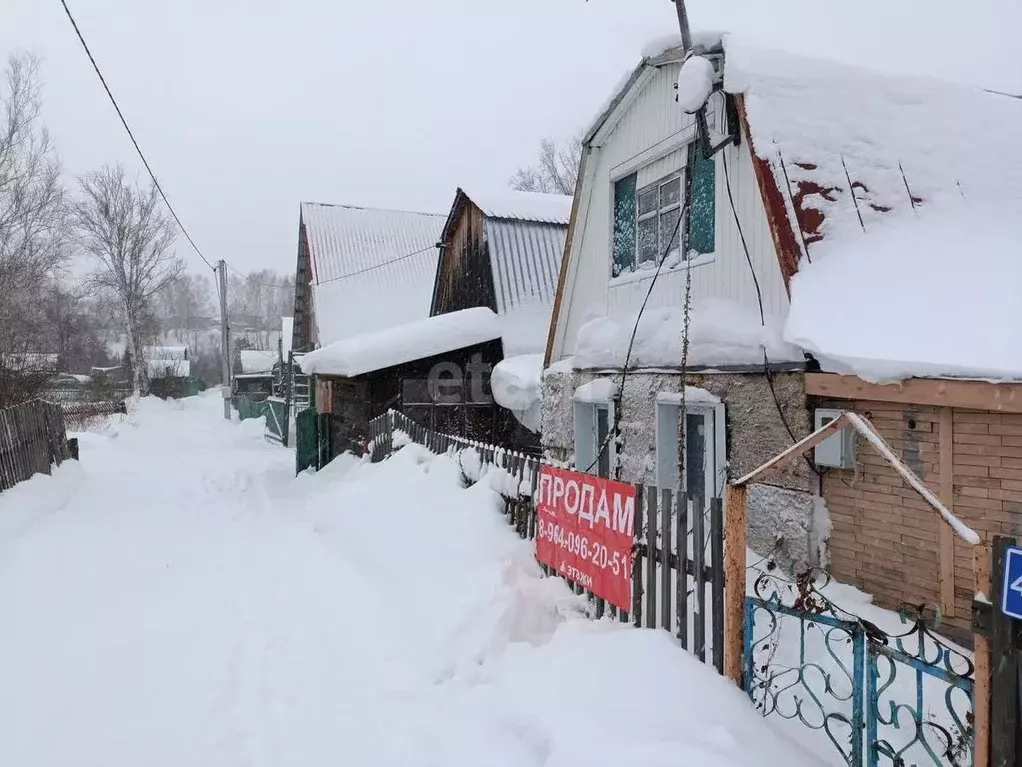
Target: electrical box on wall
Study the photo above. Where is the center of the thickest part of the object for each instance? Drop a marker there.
(838, 450)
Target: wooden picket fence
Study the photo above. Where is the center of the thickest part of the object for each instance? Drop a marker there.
(677, 557)
(32, 439)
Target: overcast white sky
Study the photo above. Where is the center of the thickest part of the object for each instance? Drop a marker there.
(247, 107)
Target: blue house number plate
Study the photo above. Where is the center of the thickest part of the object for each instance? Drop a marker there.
(1011, 589)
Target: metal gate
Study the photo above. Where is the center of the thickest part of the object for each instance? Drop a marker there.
(306, 440)
(277, 422)
(877, 698)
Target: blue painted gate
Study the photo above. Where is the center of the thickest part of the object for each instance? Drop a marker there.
(876, 699)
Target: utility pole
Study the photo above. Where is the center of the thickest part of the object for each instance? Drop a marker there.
(225, 339)
(686, 35)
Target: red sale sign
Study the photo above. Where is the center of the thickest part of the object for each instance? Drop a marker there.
(585, 529)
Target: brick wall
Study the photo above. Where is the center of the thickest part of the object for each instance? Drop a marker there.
(885, 538)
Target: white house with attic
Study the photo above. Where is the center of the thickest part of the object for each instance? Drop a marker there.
(750, 223)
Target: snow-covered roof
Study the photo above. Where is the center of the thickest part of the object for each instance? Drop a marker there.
(972, 44)
(396, 345)
(878, 293)
(522, 206)
(371, 268)
(854, 148)
(899, 142)
(29, 361)
(929, 295)
(169, 368)
(165, 352)
(525, 235)
(257, 360)
(721, 333)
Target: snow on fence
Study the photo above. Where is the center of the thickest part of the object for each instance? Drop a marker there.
(32, 439)
(78, 410)
(677, 579)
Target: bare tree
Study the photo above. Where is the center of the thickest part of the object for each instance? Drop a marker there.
(33, 230)
(185, 305)
(555, 170)
(125, 228)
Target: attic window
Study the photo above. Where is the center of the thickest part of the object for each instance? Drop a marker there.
(645, 219)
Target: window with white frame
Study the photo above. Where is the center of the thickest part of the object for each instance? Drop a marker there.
(593, 445)
(705, 447)
(651, 220)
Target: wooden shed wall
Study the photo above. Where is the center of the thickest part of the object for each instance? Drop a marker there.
(464, 276)
(301, 334)
(356, 401)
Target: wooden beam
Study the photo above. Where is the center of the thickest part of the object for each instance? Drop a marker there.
(865, 428)
(795, 450)
(981, 663)
(947, 497)
(940, 392)
(736, 529)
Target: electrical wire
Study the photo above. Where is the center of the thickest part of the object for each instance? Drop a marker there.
(244, 276)
(377, 266)
(131, 135)
(635, 328)
(762, 314)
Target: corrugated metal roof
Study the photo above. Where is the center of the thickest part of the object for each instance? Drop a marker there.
(257, 360)
(345, 239)
(526, 259)
(371, 268)
(522, 206)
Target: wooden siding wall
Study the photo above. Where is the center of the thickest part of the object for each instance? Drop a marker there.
(356, 401)
(464, 276)
(653, 128)
(301, 334)
(886, 539)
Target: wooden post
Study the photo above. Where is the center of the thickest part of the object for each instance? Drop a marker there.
(981, 661)
(736, 536)
(1004, 693)
(947, 497)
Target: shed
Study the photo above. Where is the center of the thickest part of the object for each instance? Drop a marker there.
(436, 370)
(503, 250)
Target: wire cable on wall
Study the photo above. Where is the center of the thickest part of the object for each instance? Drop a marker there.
(762, 314)
(635, 329)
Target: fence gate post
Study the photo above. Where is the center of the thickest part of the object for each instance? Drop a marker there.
(736, 533)
(981, 663)
(1004, 681)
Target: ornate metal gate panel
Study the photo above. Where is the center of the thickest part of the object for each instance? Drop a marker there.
(881, 699)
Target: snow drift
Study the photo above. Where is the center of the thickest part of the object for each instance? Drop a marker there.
(180, 598)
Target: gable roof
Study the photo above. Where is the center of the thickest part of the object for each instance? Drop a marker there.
(525, 234)
(371, 268)
(522, 206)
(850, 149)
(876, 186)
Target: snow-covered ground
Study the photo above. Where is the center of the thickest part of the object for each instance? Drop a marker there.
(179, 598)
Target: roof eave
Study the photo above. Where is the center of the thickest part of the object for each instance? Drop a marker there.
(786, 247)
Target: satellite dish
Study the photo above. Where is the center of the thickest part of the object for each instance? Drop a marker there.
(695, 83)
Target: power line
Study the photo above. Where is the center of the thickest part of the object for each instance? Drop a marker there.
(377, 266)
(131, 135)
(241, 274)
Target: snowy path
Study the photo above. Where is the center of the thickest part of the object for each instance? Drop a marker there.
(179, 598)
